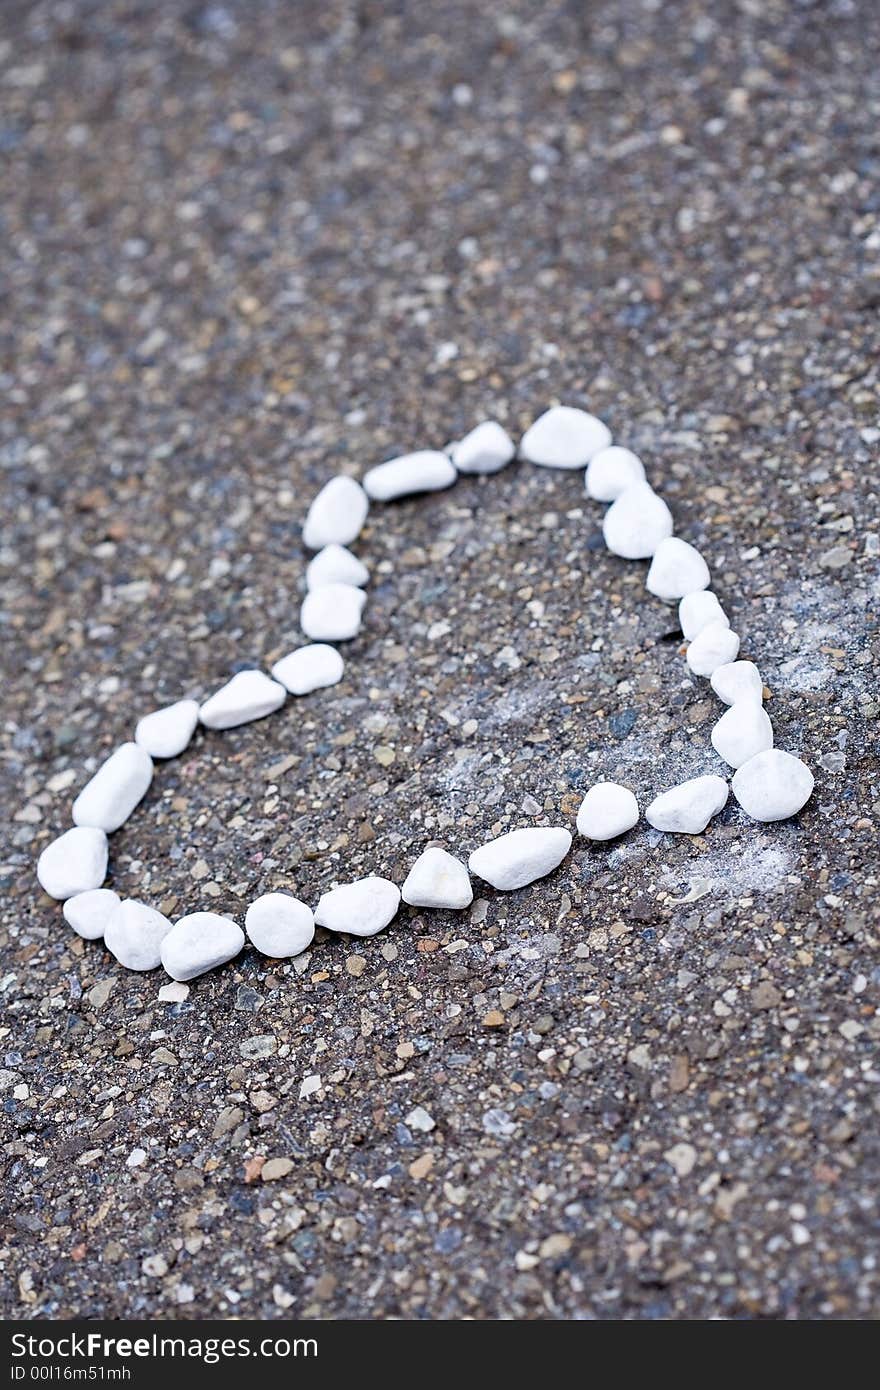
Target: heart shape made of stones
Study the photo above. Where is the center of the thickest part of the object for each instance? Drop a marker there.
(768, 783)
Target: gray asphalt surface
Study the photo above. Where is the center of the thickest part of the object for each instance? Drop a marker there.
(245, 246)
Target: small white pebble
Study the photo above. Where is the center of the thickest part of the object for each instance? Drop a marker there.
(636, 523)
(134, 935)
(736, 681)
(486, 449)
(564, 437)
(332, 613)
(362, 908)
(715, 645)
(687, 808)
(741, 732)
(309, 668)
(607, 810)
(337, 514)
(199, 942)
(249, 695)
(849, 1029)
(681, 1158)
(677, 569)
(136, 1159)
(773, 785)
(420, 1120)
(73, 863)
(175, 993)
(336, 565)
(88, 913)
(698, 610)
(427, 470)
(521, 856)
(279, 925)
(166, 732)
(437, 879)
(612, 471)
(108, 800)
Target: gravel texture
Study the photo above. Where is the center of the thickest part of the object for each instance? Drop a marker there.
(245, 246)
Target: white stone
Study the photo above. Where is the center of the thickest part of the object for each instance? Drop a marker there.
(362, 908)
(109, 798)
(279, 925)
(736, 681)
(175, 993)
(682, 1159)
(564, 437)
(166, 732)
(607, 810)
(612, 471)
(420, 1119)
(714, 645)
(520, 856)
(134, 935)
(697, 611)
(773, 785)
(309, 668)
(332, 613)
(249, 695)
(427, 470)
(486, 449)
(688, 808)
(336, 565)
(199, 942)
(437, 879)
(337, 514)
(88, 913)
(74, 863)
(636, 523)
(742, 731)
(677, 569)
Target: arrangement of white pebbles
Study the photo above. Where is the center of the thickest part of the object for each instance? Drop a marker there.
(769, 784)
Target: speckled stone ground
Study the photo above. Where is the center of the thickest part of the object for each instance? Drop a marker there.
(245, 246)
